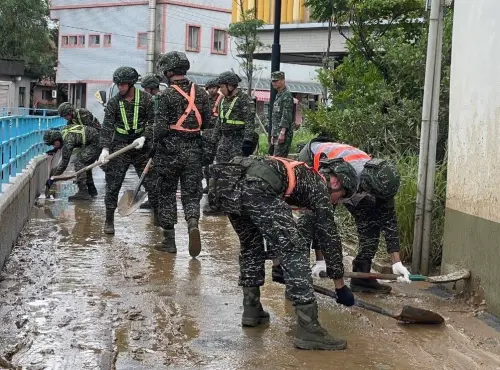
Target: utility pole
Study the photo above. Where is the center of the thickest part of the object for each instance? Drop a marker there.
(428, 140)
(275, 60)
(150, 55)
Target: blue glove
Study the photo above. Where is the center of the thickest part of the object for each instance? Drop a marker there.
(345, 296)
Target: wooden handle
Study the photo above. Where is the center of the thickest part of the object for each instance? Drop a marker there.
(141, 180)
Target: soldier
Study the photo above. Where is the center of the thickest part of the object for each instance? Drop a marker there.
(236, 118)
(257, 194)
(282, 116)
(183, 111)
(372, 207)
(71, 137)
(80, 116)
(128, 118)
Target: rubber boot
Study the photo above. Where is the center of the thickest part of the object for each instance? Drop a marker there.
(253, 313)
(310, 334)
(81, 194)
(366, 285)
(145, 205)
(168, 243)
(156, 217)
(92, 189)
(194, 237)
(109, 224)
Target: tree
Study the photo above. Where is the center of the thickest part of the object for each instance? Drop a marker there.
(244, 34)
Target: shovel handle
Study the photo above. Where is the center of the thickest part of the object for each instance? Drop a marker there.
(141, 179)
(373, 276)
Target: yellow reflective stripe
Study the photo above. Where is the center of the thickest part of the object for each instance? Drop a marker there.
(124, 115)
(226, 116)
(77, 129)
(233, 122)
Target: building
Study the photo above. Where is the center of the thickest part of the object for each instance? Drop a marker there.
(45, 95)
(97, 36)
(15, 87)
(472, 224)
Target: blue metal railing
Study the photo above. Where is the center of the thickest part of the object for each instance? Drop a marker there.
(21, 139)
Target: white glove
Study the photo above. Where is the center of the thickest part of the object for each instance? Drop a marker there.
(317, 268)
(141, 142)
(399, 269)
(102, 157)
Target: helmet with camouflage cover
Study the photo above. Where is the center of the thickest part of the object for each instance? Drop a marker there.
(343, 171)
(380, 178)
(212, 83)
(151, 81)
(66, 109)
(173, 61)
(125, 75)
(229, 78)
(51, 136)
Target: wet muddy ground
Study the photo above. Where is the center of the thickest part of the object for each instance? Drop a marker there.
(73, 298)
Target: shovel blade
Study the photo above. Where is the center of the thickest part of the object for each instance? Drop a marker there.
(128, 205)
(413, 315)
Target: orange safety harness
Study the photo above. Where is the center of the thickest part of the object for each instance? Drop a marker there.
(189, 109)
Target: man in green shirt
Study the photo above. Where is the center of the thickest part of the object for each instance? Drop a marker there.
(282, 117)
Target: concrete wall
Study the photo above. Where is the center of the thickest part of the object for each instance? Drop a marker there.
(18, 199)
(472, 227)
(14, 85)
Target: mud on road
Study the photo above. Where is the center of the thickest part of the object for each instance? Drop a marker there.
(73, 298)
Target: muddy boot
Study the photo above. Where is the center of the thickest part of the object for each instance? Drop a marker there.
(366, 285)
(145, 205)
(194, 237)
(92, 190)
(109, 224)
(168, 243)
(81, 194)
(253, 313)
(156, 217)
(310, 334)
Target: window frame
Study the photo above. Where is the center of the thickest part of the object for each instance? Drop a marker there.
(188, 47)
(104, 44)
(139, 38)
(226, 41)
(98, 45)
(78, 43)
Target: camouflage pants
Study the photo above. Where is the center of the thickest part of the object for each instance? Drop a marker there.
(230, 145)
(265, 215)
(117, 168)
(209, 137)
(282, 150)
(182, 160)
(87, 155)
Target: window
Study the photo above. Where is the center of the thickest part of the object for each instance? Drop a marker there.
(193, 34)
(219, 41)
(107, 41)
(73, 41)
(46, 94)
(81, 40)
(94, 41)
(22, 96)
(142, 40)
(64, 41)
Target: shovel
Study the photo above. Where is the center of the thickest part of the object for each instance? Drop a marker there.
(448, 278)
(132, 199)
(408, 314)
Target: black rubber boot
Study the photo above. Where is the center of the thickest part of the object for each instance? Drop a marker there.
(156, 217)
(168, 243)
(81, 194)
(109, 224)
(145, 205)
(194, 237)
(253, 313)
(310, 334)
(92, 189)
(366, 285)
(207, 211)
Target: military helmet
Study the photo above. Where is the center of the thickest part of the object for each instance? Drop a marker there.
(343, 170)
(150, 81)
(125, 75)
(51, 136)
(66, 108)
(173, 61)
(229, 78)
(212, 83)
(380, 178)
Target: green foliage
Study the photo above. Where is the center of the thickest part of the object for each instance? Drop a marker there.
(301, 136)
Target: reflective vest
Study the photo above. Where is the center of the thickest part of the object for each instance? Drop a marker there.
(225, 117)
(74, 129)
(290, 173)
(189, 109)
(215, 109)
(356, 157)
(126, 130)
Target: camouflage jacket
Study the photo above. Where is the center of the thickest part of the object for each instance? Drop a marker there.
(85, 117)
(113, 119)
(239, 108)
(282, 116)
(172, 105)
(214, 109)
(74, 137)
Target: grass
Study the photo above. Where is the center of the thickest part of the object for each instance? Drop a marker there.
(300, 136)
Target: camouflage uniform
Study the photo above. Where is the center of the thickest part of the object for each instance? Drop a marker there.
(258, 209)
(80, 116)
(209, 139)
(179, 150)
(114, 136)
(236, 121)
(282, 117)
(87, 139)
(372, 207)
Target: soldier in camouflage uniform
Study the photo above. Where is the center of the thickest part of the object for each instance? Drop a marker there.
(183, 111)
(257, 193)
(129, 117)
(372, 207)
(236, 118)
(80, 116)
(85, 138)
(282, 116)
